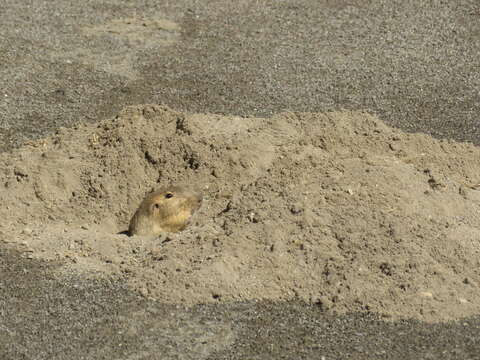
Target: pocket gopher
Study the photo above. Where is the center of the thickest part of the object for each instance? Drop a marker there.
(166, 210)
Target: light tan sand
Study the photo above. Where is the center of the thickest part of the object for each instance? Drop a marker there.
(332, 208)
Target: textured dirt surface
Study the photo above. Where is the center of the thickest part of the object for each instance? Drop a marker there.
(414, 64)
(335, 209)
(47, 317)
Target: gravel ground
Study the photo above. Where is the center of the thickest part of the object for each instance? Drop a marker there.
(416, 64)
(43, 318)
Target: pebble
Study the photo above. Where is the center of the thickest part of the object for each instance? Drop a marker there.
(143, 291)
(426, 294)
(27, 231)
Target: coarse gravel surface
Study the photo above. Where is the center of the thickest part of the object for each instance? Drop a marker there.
(415, 64)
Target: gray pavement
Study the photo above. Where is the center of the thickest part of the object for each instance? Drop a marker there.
(416, 64)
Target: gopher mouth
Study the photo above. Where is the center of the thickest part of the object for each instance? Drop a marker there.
(198, 200)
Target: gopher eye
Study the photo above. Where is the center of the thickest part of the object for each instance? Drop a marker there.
(168, 196)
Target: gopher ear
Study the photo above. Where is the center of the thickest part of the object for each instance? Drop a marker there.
(155, 206)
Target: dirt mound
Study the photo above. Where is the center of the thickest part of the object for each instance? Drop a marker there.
(335, 208)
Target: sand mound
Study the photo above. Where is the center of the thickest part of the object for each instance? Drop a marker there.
(336, 209)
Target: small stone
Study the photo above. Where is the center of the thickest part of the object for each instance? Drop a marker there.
(324, 303)
(20, 172)
(295, 209)
(157, 255)
(27, 231)
(425, 294)
(163, 238)
(463, 301)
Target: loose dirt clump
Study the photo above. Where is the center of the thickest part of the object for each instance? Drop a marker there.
(335, 209)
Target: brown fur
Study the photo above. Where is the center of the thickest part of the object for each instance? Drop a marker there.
(158, 213)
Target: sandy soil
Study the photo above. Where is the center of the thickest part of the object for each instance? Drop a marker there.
(414, 64)
(334, 208)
